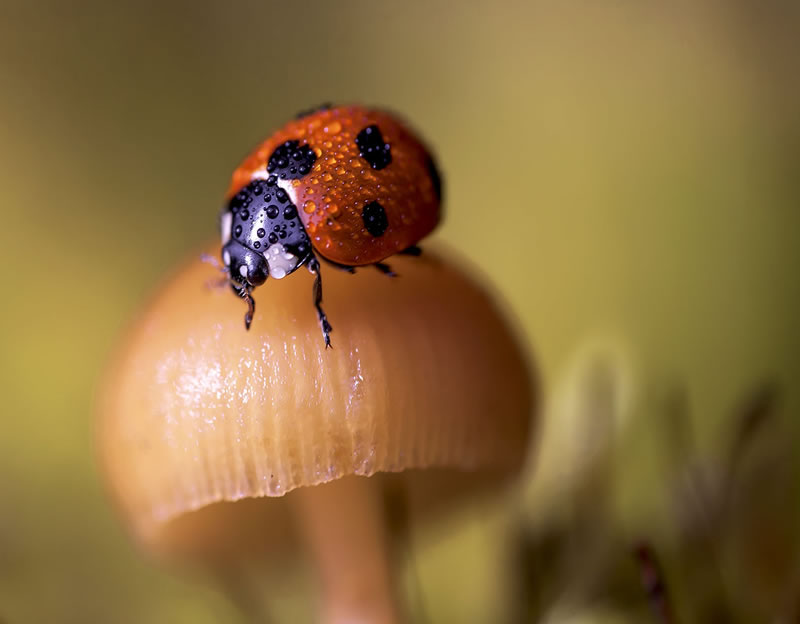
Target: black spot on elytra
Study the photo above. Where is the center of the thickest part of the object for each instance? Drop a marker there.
(373, 148)
(375, 220)
(436, 178)
(310, 111)
(291, 160)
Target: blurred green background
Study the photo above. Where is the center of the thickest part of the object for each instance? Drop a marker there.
(639, 161)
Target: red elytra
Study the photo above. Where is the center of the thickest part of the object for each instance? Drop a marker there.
(332, 196)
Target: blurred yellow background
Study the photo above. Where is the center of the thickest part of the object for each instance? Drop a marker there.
(626, 174)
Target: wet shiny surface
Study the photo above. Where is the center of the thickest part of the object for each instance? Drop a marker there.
(332, 197)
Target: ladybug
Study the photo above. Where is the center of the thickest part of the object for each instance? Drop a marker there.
(348, 185)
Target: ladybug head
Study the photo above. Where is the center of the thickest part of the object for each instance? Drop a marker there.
(247, 268)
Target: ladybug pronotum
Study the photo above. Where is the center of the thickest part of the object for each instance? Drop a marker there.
(349, 185)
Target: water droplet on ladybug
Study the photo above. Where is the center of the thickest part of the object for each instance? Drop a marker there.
(309, 206)
(261, 232)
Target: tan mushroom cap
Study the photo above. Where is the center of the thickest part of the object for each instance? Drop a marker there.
(424, 374)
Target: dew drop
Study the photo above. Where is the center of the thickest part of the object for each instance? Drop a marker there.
(309, 206)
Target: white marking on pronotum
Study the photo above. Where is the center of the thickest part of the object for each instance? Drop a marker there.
(243, 270)
(225, 223)
(226, 258)
(280, 261)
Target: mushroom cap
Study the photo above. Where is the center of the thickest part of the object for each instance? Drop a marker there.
(426, 377)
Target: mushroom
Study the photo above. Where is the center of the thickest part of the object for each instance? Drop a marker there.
(230, 443)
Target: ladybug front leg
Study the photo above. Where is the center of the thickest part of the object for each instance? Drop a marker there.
(245, 294)
(313, 267)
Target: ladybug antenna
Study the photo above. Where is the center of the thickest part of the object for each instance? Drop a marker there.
(220, 282)
(212, 260)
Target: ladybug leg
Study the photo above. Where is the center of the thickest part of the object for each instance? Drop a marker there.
(408, 251)
(385, 269)
(251, 309)
(244, 293)
(411, 251)
(313, 267)
(341, 267)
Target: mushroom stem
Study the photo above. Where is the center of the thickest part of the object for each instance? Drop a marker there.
(344, 527)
